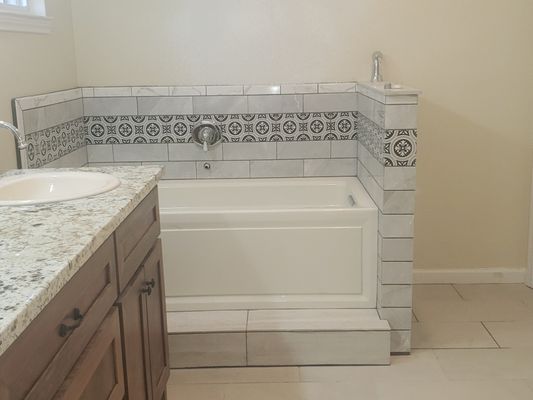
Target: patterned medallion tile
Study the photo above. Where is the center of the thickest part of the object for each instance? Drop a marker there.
(235, 128)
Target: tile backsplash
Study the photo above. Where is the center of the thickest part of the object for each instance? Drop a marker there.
(145, 124)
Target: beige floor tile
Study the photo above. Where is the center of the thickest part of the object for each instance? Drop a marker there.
(434, 292)
(489, 364)
(441, 335)
(519, 292)
(471, 310)
(195, 392)
(512, 334)
(465, 390)
(302, 391)
(234, 375)
(420, 365)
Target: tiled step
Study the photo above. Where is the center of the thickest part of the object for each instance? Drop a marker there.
(277, 337)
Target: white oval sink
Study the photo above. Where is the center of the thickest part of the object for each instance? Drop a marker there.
(49, 187)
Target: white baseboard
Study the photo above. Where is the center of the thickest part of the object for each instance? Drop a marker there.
(474, 275)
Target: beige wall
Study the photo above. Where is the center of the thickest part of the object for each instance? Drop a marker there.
(473, 60)
(32, 64)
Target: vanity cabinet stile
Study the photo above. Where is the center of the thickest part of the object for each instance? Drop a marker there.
(103, 337)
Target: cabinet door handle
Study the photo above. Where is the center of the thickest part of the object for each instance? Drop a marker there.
(147, 290)
(65, 329)
(151, 283)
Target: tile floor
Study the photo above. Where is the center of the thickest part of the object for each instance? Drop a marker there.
(469, 342)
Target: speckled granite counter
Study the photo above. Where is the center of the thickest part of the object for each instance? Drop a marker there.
(43, 246)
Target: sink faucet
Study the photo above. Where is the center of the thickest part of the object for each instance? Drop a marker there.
(13, 129)
(377, 57)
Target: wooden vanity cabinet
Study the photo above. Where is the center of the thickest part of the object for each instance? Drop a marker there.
(104, 336)
(142, 309)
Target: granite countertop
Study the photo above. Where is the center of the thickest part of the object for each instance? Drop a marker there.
(43, 246)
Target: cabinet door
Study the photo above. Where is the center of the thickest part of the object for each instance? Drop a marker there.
(98, 373)
(157, 322)
(134, 322)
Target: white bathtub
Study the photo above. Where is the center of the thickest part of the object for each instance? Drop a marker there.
(268, 243)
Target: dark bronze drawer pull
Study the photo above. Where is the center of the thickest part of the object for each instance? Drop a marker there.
(151, 283)
(65, 329)
(147, 290)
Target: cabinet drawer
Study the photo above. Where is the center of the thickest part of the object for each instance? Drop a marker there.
(99, 373)
(136, 236)
(40, 359)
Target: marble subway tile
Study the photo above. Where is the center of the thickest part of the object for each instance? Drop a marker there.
(87, 92)
(275, 104)
(176, 170)
(207, 321)
(400, 117)
(41, 118)
(330, 167)
(220, 105)
(140, 152)
(398, 202)
(344, 149)
(399, 178)
(396, 226)
(118, 91)
(48, 99)
(396, 272)
(396, 249)
(332, 102)
(165, 105)
(109, 106)
(249, 151)
(339, 87)
(307, 149)
(193, 152)
(187, 91)
(142, 91)
(223, 169)
(398, 318)
(100, 153)
(207, 350)
(312, 348)
(262, 89)
(277, 169)
(372, 187)
(400, 342)
(395, 296)
(225, 90)
(74, 159)
(299, 88)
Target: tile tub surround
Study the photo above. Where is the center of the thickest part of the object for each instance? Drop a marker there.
(43, 246)
(387, 134)
(53, 127)
(301, 122)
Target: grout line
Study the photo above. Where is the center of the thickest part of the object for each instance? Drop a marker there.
(490, 334)
(246, 335)
(457, 291)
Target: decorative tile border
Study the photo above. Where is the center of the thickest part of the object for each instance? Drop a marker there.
(391, 147)
(53, 143)
(235, 128)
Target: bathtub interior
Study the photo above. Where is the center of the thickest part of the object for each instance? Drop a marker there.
(265, 244)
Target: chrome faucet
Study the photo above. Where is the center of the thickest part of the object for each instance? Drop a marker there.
(21, 142)
(377, 57)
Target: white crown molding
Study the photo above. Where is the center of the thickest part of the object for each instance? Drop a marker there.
(466, 276)
(26, 23)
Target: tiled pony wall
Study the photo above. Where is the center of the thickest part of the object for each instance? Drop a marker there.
(338, 129)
